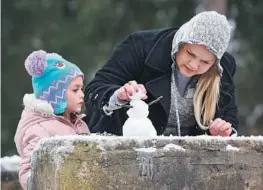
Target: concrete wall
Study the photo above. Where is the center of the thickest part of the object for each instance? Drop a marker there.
(185, 163)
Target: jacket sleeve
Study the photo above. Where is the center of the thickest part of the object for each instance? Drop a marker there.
(29, 142)
(125, 64)
(230, 110)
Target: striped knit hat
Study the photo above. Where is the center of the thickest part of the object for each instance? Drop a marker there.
(51, 76)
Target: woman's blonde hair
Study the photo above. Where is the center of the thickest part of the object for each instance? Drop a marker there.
(206, 96)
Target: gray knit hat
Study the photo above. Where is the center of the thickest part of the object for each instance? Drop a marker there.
(208, 28)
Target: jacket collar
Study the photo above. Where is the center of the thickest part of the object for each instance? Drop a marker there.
(159, 57)
(44, 109)
(41, 107)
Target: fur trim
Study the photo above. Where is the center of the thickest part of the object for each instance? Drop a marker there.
(40, 106)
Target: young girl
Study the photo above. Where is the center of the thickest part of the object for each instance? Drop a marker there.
(53, 109)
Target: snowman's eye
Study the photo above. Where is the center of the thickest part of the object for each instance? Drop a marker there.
(60, 65)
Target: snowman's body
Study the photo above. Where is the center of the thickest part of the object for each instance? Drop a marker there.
(138, 123)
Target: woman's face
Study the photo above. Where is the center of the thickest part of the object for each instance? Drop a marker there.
(194, 59)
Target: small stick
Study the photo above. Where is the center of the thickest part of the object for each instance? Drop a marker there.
(124, 106)
(129, 106)
(155, 101)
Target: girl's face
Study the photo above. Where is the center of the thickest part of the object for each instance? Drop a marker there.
(194, 59)
(75, 95)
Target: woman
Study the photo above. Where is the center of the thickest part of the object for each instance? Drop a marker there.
(188, 67)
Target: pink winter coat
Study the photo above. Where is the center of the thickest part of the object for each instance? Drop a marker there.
(38, 121)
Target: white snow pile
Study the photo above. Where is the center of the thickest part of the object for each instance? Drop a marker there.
(170, 147)
(150, 149)
(231, 148)
(10, 163)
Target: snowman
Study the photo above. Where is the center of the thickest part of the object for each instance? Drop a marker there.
(138, 123)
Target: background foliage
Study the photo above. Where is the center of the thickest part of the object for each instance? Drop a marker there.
(86, 31)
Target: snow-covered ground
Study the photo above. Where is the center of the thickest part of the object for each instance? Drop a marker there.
(10, 163)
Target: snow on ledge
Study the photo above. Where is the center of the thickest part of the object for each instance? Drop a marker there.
(231, 148)
(170, 147)
(150, 149)
(113, 141)
(65, 144)
(117, 139)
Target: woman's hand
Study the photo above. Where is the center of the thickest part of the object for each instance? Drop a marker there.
(127, 90)
(220, 127)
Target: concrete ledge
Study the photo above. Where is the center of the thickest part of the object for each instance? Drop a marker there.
(108, 162)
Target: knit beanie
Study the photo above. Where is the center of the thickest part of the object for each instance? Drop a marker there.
(208, 28)
(51, 76)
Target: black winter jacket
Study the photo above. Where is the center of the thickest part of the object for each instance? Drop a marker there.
(145, 57)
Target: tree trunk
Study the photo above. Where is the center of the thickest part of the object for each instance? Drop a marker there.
(216, 5)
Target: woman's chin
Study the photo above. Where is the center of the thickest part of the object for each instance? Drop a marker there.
(186, 73)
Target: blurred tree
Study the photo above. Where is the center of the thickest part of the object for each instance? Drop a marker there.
(216, 5)
(85, 32)
(249, 28)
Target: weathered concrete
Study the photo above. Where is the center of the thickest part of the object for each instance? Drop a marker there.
(183, 163)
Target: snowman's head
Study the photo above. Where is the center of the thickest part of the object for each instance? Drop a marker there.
(139, 109)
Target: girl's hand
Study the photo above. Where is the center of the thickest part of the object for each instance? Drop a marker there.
(220, 127)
